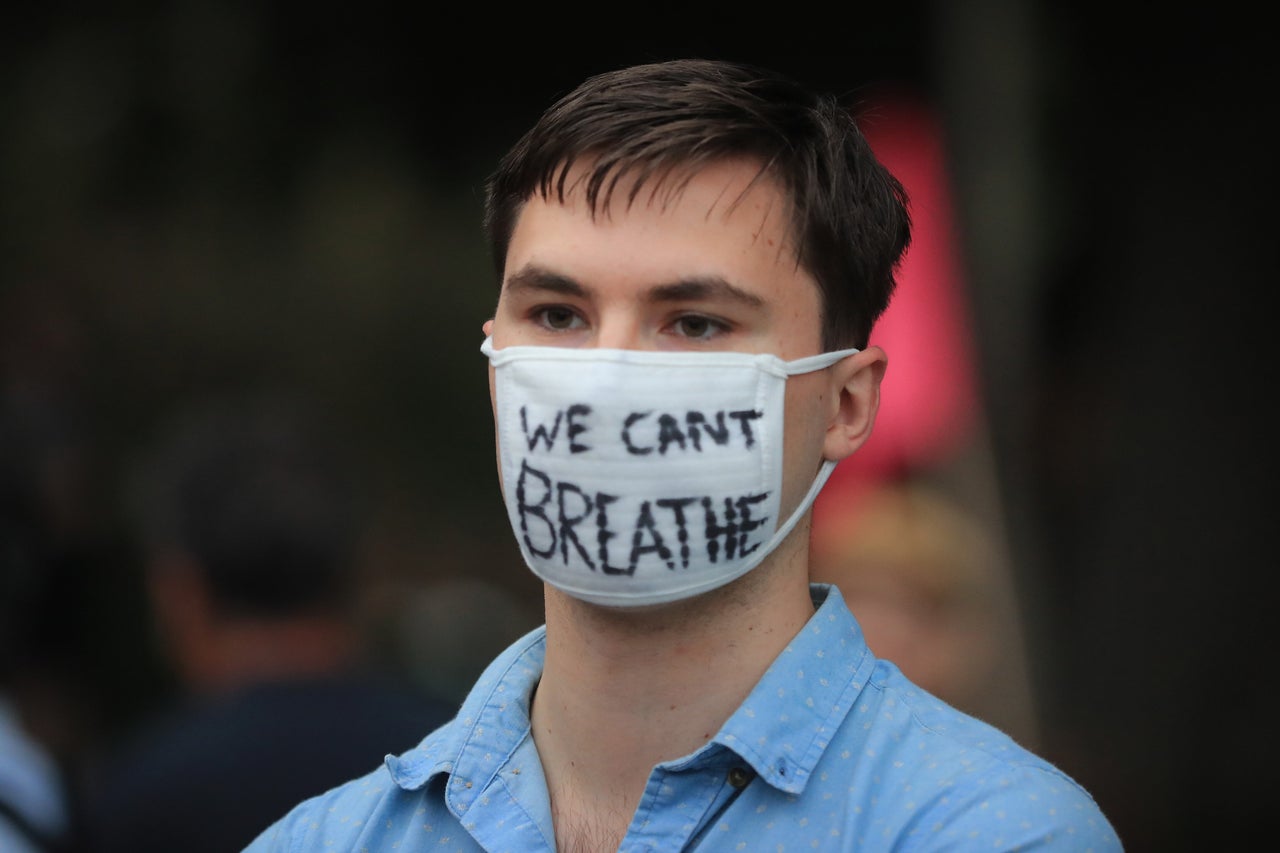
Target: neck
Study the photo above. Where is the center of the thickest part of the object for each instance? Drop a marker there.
(625, 689)
(234, 653)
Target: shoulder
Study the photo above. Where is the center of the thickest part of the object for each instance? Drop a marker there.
(407, 790)
(966, 780)
(345, 817)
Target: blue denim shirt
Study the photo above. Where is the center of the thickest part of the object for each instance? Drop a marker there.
(833, 750)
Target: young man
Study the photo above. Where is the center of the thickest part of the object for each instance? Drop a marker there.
(692, 257)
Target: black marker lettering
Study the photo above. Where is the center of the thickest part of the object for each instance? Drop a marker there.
(575, 429)
(744, 420)
(734, 529)
(697, 424)
(626, 434)
(669, 431)
(747, 523)
(677, 505)
(604, 534)
(644, 523)
(567, 522)
(540, 431)
(714, 530)
(524, 508)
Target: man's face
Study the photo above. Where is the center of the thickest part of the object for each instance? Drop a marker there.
(710, 267)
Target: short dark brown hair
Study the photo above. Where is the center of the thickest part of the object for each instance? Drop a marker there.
(653, 122)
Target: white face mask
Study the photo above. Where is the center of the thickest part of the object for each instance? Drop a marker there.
(635, 477)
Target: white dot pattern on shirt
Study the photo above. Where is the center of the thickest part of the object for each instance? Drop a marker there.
(812, 833)
(846, 757)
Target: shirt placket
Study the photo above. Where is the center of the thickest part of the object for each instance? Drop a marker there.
(679, 807)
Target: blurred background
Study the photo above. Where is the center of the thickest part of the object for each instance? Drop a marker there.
(202, 197)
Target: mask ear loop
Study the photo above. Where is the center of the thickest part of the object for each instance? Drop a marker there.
(822, 360)
(824, 473)
(807, 364)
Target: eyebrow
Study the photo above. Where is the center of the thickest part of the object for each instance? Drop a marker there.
(534, 277)
(703, 287)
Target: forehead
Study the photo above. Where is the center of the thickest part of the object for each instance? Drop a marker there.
(727, 214)
(725, 188)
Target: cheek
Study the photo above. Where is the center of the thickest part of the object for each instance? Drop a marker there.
(808, 413)
(803, 433)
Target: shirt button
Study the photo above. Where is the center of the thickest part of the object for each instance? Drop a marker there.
(739, 777)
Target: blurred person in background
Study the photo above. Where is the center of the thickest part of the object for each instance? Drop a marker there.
(36, 814)
(920, 572)
(911, 527)
(56, 559)
(250, 522)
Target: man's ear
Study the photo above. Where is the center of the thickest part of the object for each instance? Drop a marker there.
(855, 399)
(183, 609)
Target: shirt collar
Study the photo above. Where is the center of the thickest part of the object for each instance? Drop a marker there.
(786, 722)
(781, 730)
(495, 712)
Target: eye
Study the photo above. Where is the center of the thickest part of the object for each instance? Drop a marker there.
(698, 327)
(558, 318)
